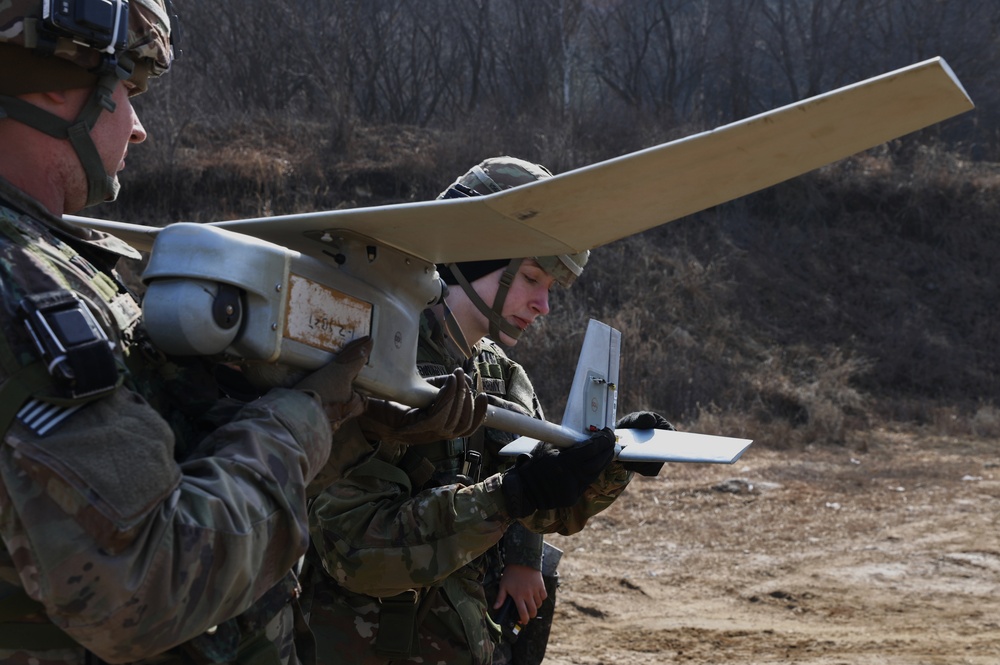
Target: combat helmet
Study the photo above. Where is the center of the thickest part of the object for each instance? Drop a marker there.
(489, 177)
(50, 45)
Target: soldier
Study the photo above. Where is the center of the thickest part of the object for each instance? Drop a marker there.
(143, 518)
(403, 544)
(516, 588)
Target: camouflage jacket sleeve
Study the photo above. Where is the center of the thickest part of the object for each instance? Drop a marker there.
(131, 546)
(522, 547)
(601, 494)
(132, 553)
(374, 538)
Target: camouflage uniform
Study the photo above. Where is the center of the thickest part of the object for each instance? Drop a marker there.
(497, 375)
(152, 513)
(394, 550)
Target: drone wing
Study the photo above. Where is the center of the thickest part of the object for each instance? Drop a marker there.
(598, 204)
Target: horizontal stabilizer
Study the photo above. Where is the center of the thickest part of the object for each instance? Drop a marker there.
(657, 445)
(519, 446)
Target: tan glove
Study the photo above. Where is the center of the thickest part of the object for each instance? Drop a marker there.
(334, 382)
(457, 411)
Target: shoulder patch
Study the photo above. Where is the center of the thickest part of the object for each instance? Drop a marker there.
(42, 417)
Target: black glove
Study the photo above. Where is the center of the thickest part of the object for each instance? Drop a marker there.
(644, 420)
(556, 478)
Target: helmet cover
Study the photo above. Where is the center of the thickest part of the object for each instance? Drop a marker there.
(497, 174)
(35, 56)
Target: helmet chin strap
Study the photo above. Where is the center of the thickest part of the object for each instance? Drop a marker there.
(100, 186)
(455, 332)
(493, 314)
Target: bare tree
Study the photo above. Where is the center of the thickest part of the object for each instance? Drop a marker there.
(665, 63)
(806, 40)
(651, 55)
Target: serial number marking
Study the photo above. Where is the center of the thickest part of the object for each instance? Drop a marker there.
(323, 317)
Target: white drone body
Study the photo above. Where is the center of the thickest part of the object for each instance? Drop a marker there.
(294, 308)
(294, 289)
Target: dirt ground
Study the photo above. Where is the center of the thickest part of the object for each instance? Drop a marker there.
(827, 556)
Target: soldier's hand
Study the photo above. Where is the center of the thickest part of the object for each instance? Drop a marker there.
(525, 586)
(556, 478)
(334, 382)
(456, 412)
(644, 420)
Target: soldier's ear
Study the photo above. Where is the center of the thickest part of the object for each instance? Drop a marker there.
(53, 101)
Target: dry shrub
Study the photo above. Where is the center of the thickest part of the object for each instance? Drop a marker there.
(950, 420)
(670, 309)
(794, 398)
(986, 421)
(947, 420)
(688, 354)
(811, 391)
(262, 166)
(712, 419)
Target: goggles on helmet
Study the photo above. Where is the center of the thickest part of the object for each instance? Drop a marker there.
(103, 26)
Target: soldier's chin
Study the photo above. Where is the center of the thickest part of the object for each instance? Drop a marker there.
(507, 340)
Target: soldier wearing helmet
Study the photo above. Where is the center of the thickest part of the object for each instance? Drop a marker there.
(516, 588)
(145, 517)
(100, 51)
(489, 177)
(404, 544)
